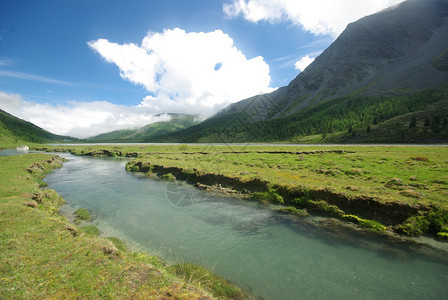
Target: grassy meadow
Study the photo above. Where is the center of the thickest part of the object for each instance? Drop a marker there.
(405, 174)
(403, 188)
(42, 256)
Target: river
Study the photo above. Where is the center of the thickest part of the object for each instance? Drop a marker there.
(270, 255)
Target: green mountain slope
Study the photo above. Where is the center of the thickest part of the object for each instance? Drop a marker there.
(346, 118)
(144, 134)
(401, 50)
(15, 129)
(425, 126)
(381, 67)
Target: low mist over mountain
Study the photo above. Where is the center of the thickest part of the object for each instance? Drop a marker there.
(393, 58)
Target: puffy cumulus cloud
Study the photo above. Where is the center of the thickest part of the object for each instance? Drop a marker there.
(320, 17)
(194, 72)
(79, 119)
(304, 62)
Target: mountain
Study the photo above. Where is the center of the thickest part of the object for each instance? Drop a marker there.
(15, 129)
(143, 134)
(387, 59)
(400, 50)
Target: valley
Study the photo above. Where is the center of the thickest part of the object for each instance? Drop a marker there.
(402, 188)
(332, 186)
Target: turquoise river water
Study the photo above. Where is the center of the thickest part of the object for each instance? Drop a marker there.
(270, 255)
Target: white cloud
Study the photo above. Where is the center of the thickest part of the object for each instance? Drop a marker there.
(193, 72)
(320, 17)
(183, 72)
(31, 77)
(304, 62)
(79, 119)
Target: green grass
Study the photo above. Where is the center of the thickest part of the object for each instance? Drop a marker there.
(219, 287)
(168, 177)
(43, 256)
(361, 170)
(271, 195)
(293, 210)
(434, 221)
(117, 243)
(82, 214)
(413, 176)
(368, 224)
(90, 230)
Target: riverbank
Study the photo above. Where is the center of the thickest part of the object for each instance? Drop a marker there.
(401, 189)
(44, 256)
(270, 254)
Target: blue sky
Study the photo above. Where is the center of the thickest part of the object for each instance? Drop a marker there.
(85, 67)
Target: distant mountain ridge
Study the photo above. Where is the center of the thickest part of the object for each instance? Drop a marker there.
(398, 52)
(145, 133)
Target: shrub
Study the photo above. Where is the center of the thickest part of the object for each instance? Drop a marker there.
(438, 220)
(352, 218)
(271, 195)
(304, 201)
(442, 235)
(135, 168)
(414, 226)
(168, 177)
(367, 224)
(132, 167)
(294, 211)
(331, 210)
(82, 214)
(323, 206)
(372, 225)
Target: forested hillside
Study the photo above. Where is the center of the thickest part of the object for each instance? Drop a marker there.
(141, 135)
(15, 129)
(348, 118)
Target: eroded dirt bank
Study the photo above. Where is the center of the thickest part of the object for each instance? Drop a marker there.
(387, 213)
